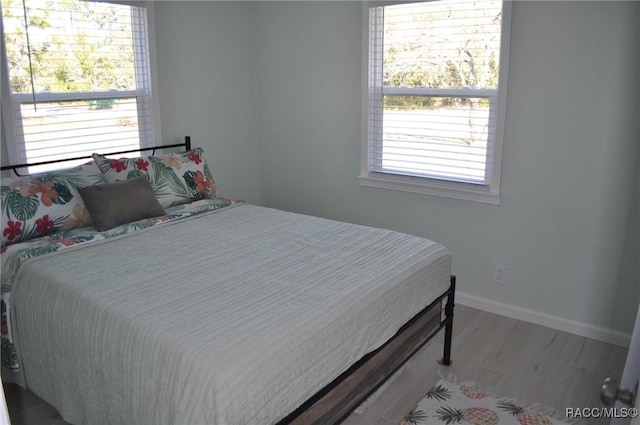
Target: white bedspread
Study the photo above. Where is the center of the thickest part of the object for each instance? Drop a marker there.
(228, 318)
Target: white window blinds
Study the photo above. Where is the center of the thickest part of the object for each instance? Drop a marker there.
(433, 89)
(79, 78)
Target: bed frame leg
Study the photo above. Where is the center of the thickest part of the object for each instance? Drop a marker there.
(448, 330)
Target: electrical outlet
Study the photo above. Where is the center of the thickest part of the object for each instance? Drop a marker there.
(500, 275)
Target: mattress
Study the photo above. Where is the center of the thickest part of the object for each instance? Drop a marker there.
(228, 317)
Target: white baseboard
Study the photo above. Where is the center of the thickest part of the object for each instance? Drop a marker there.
(555, 322)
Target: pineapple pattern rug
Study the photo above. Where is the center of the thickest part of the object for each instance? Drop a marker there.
(449, 404)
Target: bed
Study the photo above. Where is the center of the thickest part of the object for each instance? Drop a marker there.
(216, 311)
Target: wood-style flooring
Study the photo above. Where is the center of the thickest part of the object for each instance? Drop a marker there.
(504, 356)
(507, 357)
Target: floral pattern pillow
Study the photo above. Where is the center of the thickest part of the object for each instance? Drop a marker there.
(176, 178)
(41, 204)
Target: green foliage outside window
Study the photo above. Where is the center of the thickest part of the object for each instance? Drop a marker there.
(74, 45)
(444, 46)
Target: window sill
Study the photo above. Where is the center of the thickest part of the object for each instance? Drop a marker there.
(425, 186)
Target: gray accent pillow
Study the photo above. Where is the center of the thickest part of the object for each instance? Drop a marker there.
(112, 204)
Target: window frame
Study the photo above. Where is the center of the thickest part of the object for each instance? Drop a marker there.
(486, 193)
(14, 135)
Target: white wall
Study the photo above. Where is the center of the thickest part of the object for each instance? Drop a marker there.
(567, 229)
(206, 78)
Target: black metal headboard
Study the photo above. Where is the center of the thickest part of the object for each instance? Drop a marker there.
(186, 145)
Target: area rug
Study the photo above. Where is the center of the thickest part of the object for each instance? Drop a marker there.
(450, 403)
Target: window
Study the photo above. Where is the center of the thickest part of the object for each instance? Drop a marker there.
(78, 78)
(435, 97)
